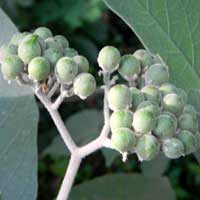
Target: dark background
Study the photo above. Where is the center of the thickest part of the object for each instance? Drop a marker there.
(89, 25)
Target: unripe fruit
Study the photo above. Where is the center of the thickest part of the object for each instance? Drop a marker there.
(11, 67)
(173, 117)
(187, 122)
(43, 32)
(119, 97)
(70, 52)
(129, 66)
(137, 97)
(144, 57)
(173, 103)
(173, 148)
(189, 141)
(123, 139)
(17, 38)
(190, 109)
(144, 121)
(39, 68)
(165, 127)
(84, 85)
(66, 69)
(151, 106)
(109, 58)
(52, 55)
(82, 62)
(157, 74)
(151, 93)
(182, 94)
(29, 48)
(63, 42)
(121, 119)
(167, 88)
(147, 147)
(7, 50)
(52, 43)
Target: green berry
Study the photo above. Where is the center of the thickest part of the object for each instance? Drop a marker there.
(7, 50)
(70, 52)
(84, 85)
(167, 88)
(144, 121)
(66, 69)
(29, 48)
(129, 67)
(109, 58)
(182, 94)
(119, 97)
(151, 106)
(52, 55)
(17, 38)
(43, 32)
(173, 148)
(123, 139)
(187, 122)
(82, 62)
(151, 93)
(137, 97)
(144, 57)
(165, 127)
(147, 147)
(157, 74)
(190, 109)
(52, 43)
(39, 68)
(173, 103)
(121, 119)
(12, 66)
(189, 141)
(173, 117)
(63, 42)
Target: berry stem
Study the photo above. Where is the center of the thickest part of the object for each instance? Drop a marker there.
(53, 89)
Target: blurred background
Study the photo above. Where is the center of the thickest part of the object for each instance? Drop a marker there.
(88, 25)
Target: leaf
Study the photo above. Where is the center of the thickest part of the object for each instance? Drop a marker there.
(83, 126)
(172, 30)
(124, 186)
(18, 125)
(109, 155)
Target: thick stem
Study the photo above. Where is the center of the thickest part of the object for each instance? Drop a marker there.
(70, 175)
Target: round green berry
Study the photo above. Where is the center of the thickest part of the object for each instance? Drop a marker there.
(129, 66)
(151, 93)
(144, 121)
(43, 32)
(182, 94)
(173, 117)
(147, 147)
(70, 52)
(151, 106)
(63, 42)
(39, 68)
(144, 57)
(121, 119)
(123, 139)
(137, 97)
(7, 50)
(187, 122)
(84, 85)
(52, 55)
(29, 48)
(11, 67)
(17, 38)
(157, 74)
(119, 97)
(66, 69)
(52, 43)
(173, 103)
(189, 141)
(165, 127)
(173, 148)
(82, 62)
(109, 58)
(190, 109)
(167, 88)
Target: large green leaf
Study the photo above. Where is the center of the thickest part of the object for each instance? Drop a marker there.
(120, 187)
(172, 30)
(18, 125)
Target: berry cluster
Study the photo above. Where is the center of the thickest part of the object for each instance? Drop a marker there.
(151, 114)
(40, 56)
